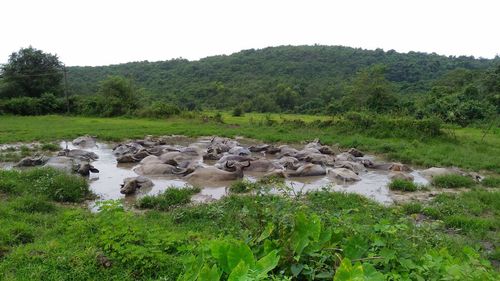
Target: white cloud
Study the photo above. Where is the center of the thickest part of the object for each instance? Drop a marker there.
(103, 32)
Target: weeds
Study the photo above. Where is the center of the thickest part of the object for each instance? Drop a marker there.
(170, 198)
(403, 185)
(452, 181)
(243, 186)
(491, 181)
(56, 185)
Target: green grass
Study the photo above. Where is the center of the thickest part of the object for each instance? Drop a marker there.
(56, 185)
(242, 186)
(452, 181)
(49, 241)
(403, 185)
(466, 150)
(491, 181)
(168, 199)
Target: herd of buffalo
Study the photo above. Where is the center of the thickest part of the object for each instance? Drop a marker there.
(216, 159)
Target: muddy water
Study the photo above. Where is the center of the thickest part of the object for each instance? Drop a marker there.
(106, 184)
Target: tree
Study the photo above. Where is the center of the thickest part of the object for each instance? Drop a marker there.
(31, 72)
(117, 96)
(370, 89)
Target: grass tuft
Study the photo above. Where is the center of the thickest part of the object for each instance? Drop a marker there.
(56, 185)
(243, 186)
(452, 181)
(168, 199)
(491, 181)
(403, 185)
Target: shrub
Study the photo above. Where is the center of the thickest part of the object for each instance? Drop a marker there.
(387, 126)
(412, 208)
(160, 110)
(22, 106)
(237, 111)
(242, 186)
(491, 181)
(47, 103)
(169, 199)
(403, 185)
(452, 181)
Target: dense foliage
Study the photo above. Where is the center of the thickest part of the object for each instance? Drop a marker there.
(300, 79)
(31, 72)
(316, 79)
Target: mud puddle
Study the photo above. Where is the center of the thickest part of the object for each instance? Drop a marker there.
(106, 184)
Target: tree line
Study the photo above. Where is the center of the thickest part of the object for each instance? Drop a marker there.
(295, 79)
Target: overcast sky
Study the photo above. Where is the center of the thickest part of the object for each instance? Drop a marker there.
(101, 32)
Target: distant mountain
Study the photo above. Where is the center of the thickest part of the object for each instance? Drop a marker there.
(315, 72)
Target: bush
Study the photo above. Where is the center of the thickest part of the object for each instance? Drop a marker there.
(403, 185)
(167, 200)
(237, 111)
(46, 104)
(384, 126)
(22, 106)
(160, 110)
(491, 181)
(452, 181)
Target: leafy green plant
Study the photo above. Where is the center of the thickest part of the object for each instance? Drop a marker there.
(357, 272)
(452, 181)
(232, 260)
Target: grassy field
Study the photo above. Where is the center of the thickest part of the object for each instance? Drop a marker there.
(315, 236)
(47, 234)
(464, 147)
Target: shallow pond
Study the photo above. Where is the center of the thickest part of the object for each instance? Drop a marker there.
(106, 184)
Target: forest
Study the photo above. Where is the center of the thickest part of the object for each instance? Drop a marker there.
(288, 79)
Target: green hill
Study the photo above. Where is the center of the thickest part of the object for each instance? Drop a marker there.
(252, 78)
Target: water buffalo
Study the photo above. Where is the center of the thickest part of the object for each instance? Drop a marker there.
(356, 167)
(85, 141)
(262, 166)
(32, 161)
(289, 162)
(308, 170)
(157, 169)
(71, 165)
(239, 150)
(356, 153)
(151, 159)
(318, 158)
(213, 174)
(395, 167)
(343, 174)
(131, 185)
(400, 176)
(79, 153)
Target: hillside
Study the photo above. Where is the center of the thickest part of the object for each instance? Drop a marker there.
(315, 73)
